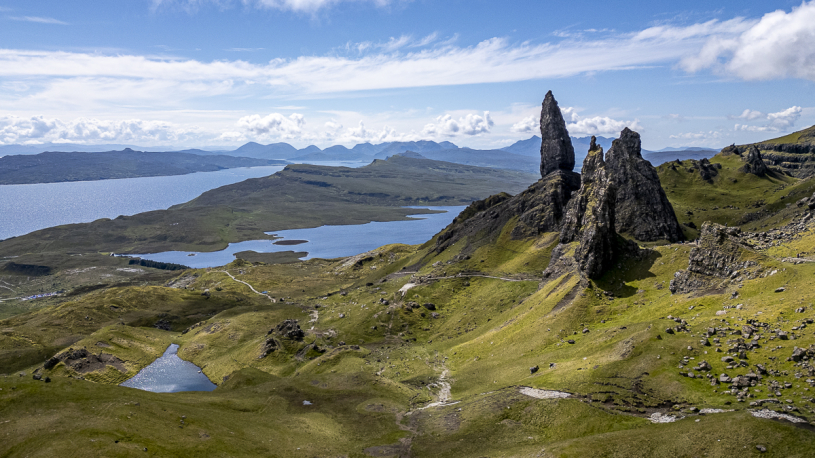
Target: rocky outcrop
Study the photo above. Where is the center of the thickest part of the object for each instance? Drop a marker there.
(705, 169)
(754, 163)
(590, 218)
(721, 254)
(289, 329)
(537, 210)
(557, 152)
(286, 329)
(82, 361)
(642, 208)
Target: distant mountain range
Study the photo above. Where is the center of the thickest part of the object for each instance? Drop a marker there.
(523, 155)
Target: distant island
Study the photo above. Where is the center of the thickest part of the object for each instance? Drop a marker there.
(54, 167)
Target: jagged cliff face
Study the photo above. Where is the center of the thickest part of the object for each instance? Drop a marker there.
(540, 208)
(642, 208)
(557, 152)
(618, 193)
(590, 217)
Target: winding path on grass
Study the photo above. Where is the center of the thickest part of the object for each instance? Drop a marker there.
(247, 284)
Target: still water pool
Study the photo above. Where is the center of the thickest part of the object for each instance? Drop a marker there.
(324, 241)
(170, 374)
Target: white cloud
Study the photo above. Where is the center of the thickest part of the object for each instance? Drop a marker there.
(709, 135)
(779, 45)
(38, 20)
(274, 125)
(569, 114)
(471, 124)
(749, 114)
(39, 129)
(578, 125)
(785, 119)
(775, 122)
(597, 125)
(362, 134)
(495, 60)
(530, 124)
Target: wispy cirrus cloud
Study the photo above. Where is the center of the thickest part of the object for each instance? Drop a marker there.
(299, 6)
(395, 65)
(37, 19)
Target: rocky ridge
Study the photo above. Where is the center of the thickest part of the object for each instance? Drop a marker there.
(618, 193)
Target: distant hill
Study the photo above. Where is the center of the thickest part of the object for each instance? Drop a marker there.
(10, 150)
(421, 146)
(793, 153)
(272, 151)
(497, 159)
(532, 146)
(52, 167)
(688, 148)
(660, 157)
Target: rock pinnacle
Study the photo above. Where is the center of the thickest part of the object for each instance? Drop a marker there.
(557, 152)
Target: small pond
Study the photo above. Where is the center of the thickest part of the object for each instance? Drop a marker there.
(325, 241)
(170, 374)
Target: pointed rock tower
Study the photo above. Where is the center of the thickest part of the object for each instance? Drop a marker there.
(557, 152)
(541, 207)
(590, 217)
(642, 208)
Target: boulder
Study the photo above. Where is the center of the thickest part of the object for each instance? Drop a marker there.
(557, 152)
(268, 347)
(641, 207)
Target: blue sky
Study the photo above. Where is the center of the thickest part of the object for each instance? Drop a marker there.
(223, 72)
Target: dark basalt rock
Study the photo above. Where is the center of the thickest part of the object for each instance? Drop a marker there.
(289, 329)
(270, 346)
(642, 209)
(705, 169)
(720, 254)
(590, 219)
(539, 209)
(754, 163)
(83, 361)
(730, 150)
(557, 152)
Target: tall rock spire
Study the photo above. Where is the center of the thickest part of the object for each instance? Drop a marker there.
(642, 208)
(590, 219)
(557, 152)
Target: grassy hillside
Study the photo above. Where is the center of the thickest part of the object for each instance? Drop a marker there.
(371, 369)
(406, 351)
